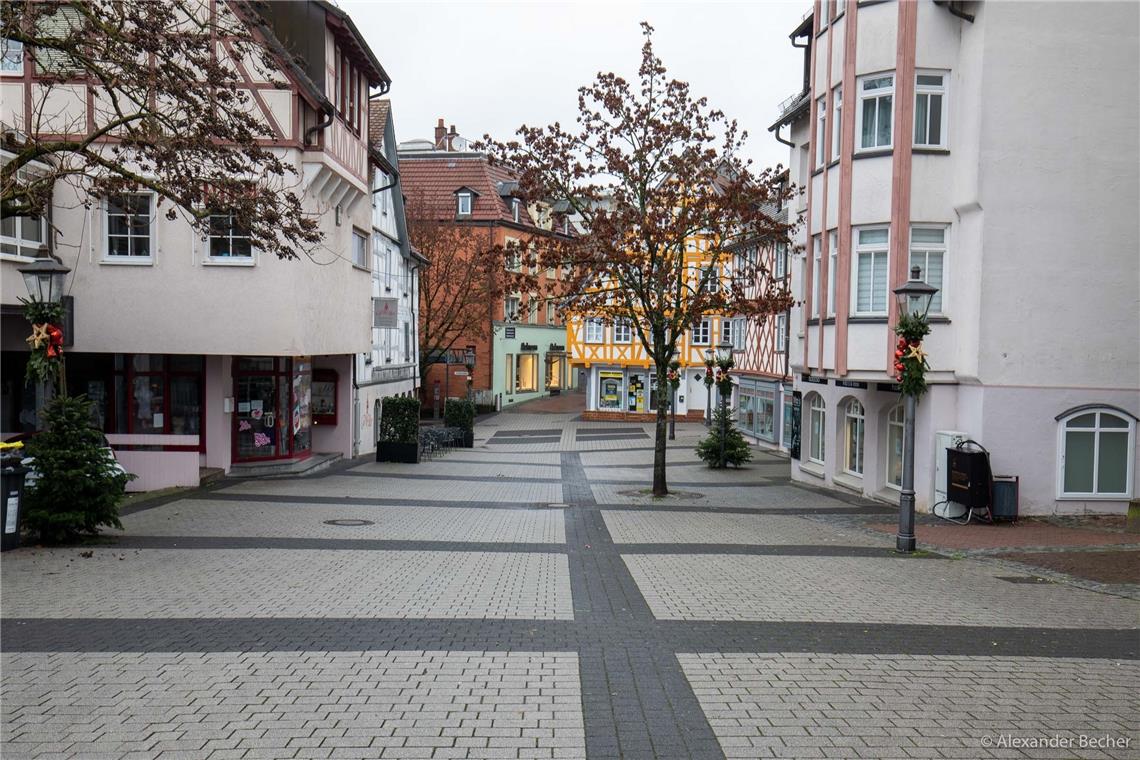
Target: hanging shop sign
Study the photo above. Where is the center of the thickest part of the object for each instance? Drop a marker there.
(385, 312)
(794, 433)
(889, 387)
(509, 333)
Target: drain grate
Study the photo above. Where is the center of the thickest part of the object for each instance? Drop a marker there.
(349, 523)
(1022, 579)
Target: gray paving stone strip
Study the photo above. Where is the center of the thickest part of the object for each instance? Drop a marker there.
(365, 704)
(813, 705)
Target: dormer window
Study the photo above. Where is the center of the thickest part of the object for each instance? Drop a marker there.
(463, 204)
(515, 209)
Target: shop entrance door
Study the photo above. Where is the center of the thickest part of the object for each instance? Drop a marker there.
(271, 414)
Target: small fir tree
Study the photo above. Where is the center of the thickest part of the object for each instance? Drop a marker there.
(736, 451)
(80, 486)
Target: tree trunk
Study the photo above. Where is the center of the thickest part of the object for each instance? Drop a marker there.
(659, 486)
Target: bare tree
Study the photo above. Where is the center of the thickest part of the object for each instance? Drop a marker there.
(650, 169)
(163, 104)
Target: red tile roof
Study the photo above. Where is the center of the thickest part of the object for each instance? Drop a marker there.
(435, 177)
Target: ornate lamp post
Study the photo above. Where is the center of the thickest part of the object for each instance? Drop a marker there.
(44, 279)
(914, 300)
(710, 357)
(674, 377)
(724, 363)
(469, 359)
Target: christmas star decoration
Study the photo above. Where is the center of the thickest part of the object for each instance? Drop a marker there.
(916, 352)
(38, 337)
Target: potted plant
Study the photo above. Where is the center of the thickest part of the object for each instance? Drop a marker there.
(460, 413)
(399, 430)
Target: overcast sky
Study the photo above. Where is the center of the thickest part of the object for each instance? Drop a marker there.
(488, 67)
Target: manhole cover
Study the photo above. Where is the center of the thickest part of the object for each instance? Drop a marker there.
(349, 523)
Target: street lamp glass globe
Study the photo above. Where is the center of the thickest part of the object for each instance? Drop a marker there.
(44, 280)
(915, 296)
(724, 351)
(709, 356)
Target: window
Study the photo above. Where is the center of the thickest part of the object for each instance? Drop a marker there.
(1097, 448)
(895, 420)
(359, 249)
(853, 426)
(781, 332)
(832, 259)
(928, 253)
(710, 279)
(817, 424)
(876, 104)
(929, 110)
(526, 379)
(514, 255)
(228, 240)
(551, 313)
(350, 102)
(815, 273)
(22, 235)
(836, 120)
(609, 389)
(464, 204)
(11, 56)
(532, 309)
(407, 341)
(726, 329)
(510, 308)
(595, 330)
(510, 366)
(781, 260)
(623, 331)
(515, 208)
(701, 333)
(871, 268)
(821, 132)
(129, 226)
(735, 331)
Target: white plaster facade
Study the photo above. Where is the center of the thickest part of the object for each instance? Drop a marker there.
(1041, 274)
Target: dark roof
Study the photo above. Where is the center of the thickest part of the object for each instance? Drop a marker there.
(793, 111)
(346, 32)
(435, 176)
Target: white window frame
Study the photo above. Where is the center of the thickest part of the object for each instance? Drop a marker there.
(710, 279)
(821, 150)
(781, 267)
(885, 91)
(832, 267)
(781, 333)
(870, 249)
(130, 260)
(817, 438)
(21, 244)
(623, 331)
(7, 50)
(928, 90)
(925, 249)
(854, 417)
(734, 330)
(899, 426)
(817, 258)
(227, 261)
(463, 204)
(515, 209)
(701, 335)
(551, 313)
(366, 255)
(594, 330)
(511, 314)
(836, 121)
(1096, 430)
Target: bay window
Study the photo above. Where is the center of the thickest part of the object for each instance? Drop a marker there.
(876, 109)
(928, 253)
(871, 281)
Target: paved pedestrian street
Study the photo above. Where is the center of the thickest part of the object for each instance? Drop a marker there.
(528, 599)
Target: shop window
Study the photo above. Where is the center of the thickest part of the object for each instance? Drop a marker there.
(129, 222)
(1097, 449)
(526, 378)
(817, 425)
(157, 394)
(853, 426)
(895, 419)
(609, 390)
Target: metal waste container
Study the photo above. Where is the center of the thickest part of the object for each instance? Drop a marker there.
(12, 487)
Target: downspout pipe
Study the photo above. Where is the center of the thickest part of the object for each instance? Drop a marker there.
(952, 6)
(776, 134)
(325, 123)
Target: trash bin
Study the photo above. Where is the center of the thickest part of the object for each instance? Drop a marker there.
(12, 492)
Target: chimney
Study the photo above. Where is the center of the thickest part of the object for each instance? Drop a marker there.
(451, 138)
(440, 133)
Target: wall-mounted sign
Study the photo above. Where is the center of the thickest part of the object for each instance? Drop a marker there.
(509, 332)
(557, 347)
(528, 347)
(889, 387)
(850, 384)
(813, 379)
(385, 312)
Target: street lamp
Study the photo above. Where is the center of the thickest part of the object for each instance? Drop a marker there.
(724, 361)
(710, 356)
(44, 279)
(914, 299)
(469, 358)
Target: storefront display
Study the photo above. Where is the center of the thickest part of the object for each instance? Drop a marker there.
(609, 390)
(756, 410)
(324, 396)
(272, 418)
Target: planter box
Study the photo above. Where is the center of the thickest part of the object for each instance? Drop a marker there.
(387, 451)
(468, 440)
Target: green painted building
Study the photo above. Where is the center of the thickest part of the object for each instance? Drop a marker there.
(530, 361)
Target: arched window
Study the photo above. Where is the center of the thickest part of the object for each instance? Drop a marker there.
(1096, 448)
(895, 419)
(853, 426)
(817, 423)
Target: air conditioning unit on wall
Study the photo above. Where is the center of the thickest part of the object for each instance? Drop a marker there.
(944, 439)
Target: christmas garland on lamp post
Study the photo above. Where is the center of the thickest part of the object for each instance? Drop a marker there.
(45, 361)
(674, 378)
(910, 359)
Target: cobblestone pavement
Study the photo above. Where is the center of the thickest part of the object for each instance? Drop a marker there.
(526, 599)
